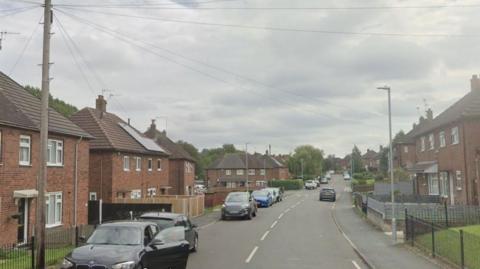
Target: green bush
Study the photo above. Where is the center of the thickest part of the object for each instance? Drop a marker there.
(295, 184)
(363, 175)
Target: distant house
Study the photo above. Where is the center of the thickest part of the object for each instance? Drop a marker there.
(448, 150)
(371, 160)
(123, 162)
(67, 172)
(404, 155)
(230, 171)
(182, 165)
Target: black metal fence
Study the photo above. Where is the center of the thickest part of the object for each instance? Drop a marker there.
(458, 246)
(101, 212)
(58, 243)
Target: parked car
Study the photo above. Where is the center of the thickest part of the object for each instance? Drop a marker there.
(346, 176)
(200, 188)
(324, 180)
(274, 193)
(239, 204)
(317, 182)
(263, 198)
(278, 195)
(310, 185)
(328, 194)
(131, 245)
(166, 220)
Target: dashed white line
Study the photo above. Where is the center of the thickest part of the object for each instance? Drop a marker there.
(281, 215)
(273, 224)
(264, 235)
(286, 211)
(250, 257)
(356, 265)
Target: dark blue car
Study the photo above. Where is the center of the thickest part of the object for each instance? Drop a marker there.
(263, 198)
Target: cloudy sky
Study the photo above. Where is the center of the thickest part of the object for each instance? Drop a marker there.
(258, 71)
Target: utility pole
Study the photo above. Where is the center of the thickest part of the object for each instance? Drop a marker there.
(42, 171)
(3, 34)
(390, 163)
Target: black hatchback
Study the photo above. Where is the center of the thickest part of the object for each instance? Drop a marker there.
(328, 194)
(131, 245)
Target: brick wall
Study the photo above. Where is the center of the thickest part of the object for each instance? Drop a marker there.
(180, 178)
(60, 179)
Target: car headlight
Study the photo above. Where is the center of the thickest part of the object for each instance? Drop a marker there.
(124, 265)
(66, 264)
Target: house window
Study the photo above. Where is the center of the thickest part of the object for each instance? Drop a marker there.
(152, 192)
(25, 150)
(441, 137)
(262, 172)
(455, 137)
(405, 149)
(159, 164)
(126, 163)
(422, 143)
(228, 172)
(261, 183)
(444, 184)
(138, 164)
(55, 152)
(136, 194)
(433, 188)
(431, 142)
(251, 172)
(231, 185)
(92, 196)
(240, 172)
(188, 167)
(53, 210)
(150, 164)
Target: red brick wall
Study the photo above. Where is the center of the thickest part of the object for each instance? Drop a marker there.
(60, 179)
(277, 173)
(404, 159)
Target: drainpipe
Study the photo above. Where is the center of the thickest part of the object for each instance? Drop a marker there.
(465, 176)
(75, 203)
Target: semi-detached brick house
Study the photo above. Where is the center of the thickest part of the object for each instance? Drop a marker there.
(67, 172)
(181, 163)
(123, 163)
(371, 160)
(448, 150)
(229, 171)
(404, 155)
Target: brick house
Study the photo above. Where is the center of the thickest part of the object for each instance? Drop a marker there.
(181, 164)
(404, 155)
(447, 150)
(229, 171)
(371, 160)
(123, 162)
(67, 172)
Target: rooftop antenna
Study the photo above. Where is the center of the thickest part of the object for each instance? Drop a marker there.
(163, 118)
(3, 34)
(425, 104)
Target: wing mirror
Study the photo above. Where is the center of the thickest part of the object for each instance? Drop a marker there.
(194, 226)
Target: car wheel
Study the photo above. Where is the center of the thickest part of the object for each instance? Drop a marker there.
(195, 244)
(249, 216)
(223, 217)
(254, 213)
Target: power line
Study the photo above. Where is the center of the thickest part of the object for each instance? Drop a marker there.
(144, 5)
(17, 11)
(280, 29)
(22, 53)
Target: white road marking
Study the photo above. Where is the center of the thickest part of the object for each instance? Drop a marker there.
(264, 235)
(273, 224)
(286, 211)
(356, 265)
(281, 215)
(250, 257)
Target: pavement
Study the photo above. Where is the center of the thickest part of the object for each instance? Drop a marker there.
(302, 233)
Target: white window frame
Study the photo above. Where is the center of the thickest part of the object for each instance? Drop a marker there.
(433, 184)
(150, 164)
(58, 146)
(57, 201)
(262, 172)
(239, 172)
(422, 143)
(251, 172)
(92, 196)
(27, 146)
(455, 135)
(138, 164)
(260, 183)
(159, 164)
(151, 192)
(405, 149)
(126, 163)
(441, 137)
(431, 142)
(228, 172)
(444, 183)
(136, 194)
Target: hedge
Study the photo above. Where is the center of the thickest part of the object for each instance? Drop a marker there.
(296, 184)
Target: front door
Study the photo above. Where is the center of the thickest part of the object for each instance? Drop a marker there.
(22, 233)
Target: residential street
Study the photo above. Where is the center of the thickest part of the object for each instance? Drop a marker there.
(296, 233)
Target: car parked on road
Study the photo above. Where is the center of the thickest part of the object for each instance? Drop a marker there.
(328, 194)
(274, 192)
(166, 220)
(310, 185)
(263, 198)
(239, 204)
(131, 245)
(324, 180)
(317, 182)
(278, 194)
(346, 176)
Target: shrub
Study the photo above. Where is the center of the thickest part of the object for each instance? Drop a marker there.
(295, 184)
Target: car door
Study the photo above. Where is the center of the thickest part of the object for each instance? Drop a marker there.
(189, 232)
(168, 250)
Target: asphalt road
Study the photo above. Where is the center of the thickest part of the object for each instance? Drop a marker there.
(297, 233)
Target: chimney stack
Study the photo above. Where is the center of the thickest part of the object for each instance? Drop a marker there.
(429, 114)
(153, 126)
(475, 83)
(128, 122)
(269, 150)
(422, 120)
(101, 104)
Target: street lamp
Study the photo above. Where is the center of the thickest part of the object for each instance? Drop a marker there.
(390, 163)
(246, 162)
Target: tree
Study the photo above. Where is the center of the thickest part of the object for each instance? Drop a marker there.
(330, 163)
(60, 106)
(312, 159)
(399, 136)
(357, 160)
(384, 152)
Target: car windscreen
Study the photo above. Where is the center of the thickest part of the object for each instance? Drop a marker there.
(116, 235)
(236, 197)
(260, 193)
(328, 190)
(163, 223)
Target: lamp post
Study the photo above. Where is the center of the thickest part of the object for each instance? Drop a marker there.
(246, 164)
(390, 163)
